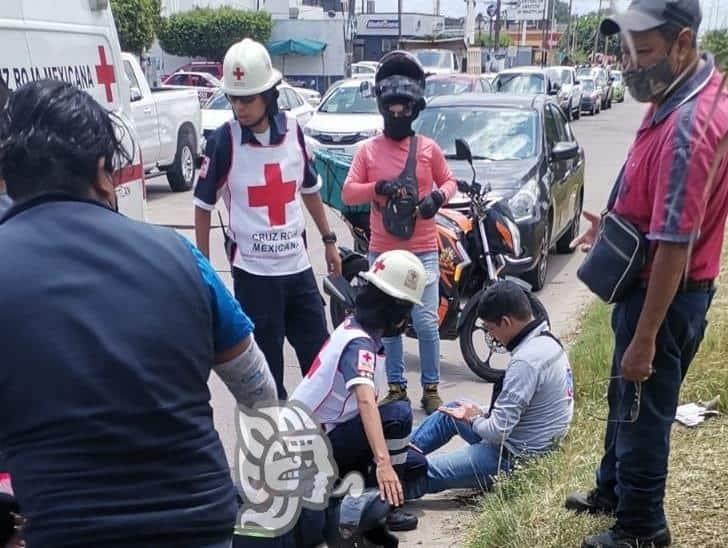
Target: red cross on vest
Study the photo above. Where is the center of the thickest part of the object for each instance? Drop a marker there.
(105, 74)
(274, 195)
(238, 73)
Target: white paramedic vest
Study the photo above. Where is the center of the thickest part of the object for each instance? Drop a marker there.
(263, 201)
(323, 390)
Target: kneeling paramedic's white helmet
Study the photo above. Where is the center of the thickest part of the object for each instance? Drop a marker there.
(399, 274)
(247, 69)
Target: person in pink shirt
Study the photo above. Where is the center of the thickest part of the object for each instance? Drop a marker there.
(376, 177)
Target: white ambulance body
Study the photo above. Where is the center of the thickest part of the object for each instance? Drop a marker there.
(74, 41)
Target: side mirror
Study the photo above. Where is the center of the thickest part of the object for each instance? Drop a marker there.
(462, 151)
(565, 150)
(555, 89)
(577, 82)
(135, 94)
(366, 89)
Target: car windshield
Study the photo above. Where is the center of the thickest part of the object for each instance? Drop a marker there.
(362, 69)
(584, 72)
(349, 100)
(218, 102)
(520, 83)
(435, 88)
(492, 133)
(587, 85)
(562, 76)
(439, 59)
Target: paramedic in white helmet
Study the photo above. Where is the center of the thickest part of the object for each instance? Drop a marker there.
(258, 164)
(366, 437)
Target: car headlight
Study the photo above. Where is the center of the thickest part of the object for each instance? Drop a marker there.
(369, 133)
(307, 130)
(516, 235)
(523, 204)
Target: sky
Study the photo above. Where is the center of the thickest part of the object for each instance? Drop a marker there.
(712, 16)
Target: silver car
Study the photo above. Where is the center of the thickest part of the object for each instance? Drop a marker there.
(570, 92)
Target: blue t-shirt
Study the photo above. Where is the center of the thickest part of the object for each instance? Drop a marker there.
(230, 324)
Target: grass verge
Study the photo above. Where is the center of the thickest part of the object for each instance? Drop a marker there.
(527, 508)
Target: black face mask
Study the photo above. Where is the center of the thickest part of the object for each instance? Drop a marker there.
(398, 127)
(650, 83)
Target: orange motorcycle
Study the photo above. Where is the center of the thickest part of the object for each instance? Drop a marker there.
(474, 249)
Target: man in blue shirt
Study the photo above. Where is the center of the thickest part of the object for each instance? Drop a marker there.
(111, 327)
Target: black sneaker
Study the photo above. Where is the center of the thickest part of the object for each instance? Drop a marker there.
(593, 502)
(399, 520)
(617, 537)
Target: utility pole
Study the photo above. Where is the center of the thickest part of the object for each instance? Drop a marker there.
(596, 34)
(543, 33)
(399, 24)
(496, 42)
(568, 29)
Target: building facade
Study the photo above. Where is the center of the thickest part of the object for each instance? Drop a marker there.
(378, 33)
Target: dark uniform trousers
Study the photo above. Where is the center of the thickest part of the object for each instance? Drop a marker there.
(352, 452)
(284, 307)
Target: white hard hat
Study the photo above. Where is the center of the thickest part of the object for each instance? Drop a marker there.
(399, 274)
(247, 69)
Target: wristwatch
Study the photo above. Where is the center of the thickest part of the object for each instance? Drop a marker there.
(329, 238)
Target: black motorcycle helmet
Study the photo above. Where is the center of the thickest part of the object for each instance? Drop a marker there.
(400, 78)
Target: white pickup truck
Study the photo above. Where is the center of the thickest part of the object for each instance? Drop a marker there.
(169, 126)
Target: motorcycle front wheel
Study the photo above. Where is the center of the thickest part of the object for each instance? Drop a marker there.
(478, 347)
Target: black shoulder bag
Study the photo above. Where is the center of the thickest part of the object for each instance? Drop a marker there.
(619, 254)
(400, 212)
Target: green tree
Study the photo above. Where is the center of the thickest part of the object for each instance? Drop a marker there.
(136, 22)
(562, 11)
(716, 42)
(488, 41)
(208, 33)
(586, 29)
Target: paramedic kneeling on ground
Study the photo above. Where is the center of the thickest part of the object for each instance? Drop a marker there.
(109, 329)
(352, 362)
(532, 412)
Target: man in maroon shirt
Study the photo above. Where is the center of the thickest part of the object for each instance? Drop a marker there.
(674, 188)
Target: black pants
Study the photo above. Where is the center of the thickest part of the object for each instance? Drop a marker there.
(352, 452)
(284, 307)
(633, 470)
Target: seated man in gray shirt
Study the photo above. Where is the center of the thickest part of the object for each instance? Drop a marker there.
(532, 412)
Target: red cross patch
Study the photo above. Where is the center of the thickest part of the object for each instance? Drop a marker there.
(365, 363)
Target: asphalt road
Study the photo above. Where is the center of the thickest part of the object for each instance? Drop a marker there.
(443, 520)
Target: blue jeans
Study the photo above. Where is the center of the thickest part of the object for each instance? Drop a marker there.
(472, 467)
(633, 470)
(425, 321)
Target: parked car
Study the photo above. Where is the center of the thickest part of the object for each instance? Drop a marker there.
(437, 61)
(210, 67)
(311, 96)
(218, 109)
(525, 148)
(168, 124)
(618, 88)
(456, 83)
(526, 81)
(603, 82)
(364, 70)
(348, 114)
(203, 83)
(569, 94)
(591, 99)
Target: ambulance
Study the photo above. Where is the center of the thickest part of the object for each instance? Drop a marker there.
(74, 41)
